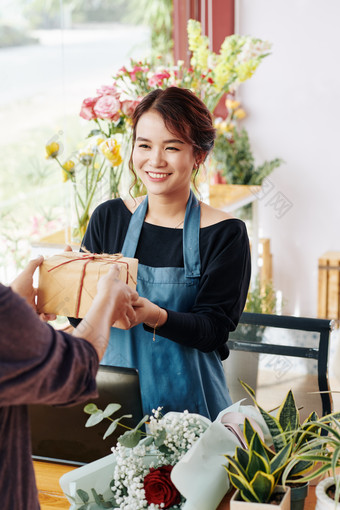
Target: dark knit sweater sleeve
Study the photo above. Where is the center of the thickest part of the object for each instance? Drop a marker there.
(225, 272)
(39, 364)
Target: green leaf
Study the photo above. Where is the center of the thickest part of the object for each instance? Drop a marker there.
(235, 467)
(130, 438)
(248, 431)
(99, 500)
(111, 428)
(94, 419)
(90, 408)
(272, 423)
(141, 423)
(248, 389)
(259, 447)
(160, 437)
(288, 415)
(114, 425)
(239, 482)
(279, 461)
(256, 464)
(110, 409)
(94, 132)
(83, 495)
(147, 441)
(242, 457)
(164, 449)
(263, 485)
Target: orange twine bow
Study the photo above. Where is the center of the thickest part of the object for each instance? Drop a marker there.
(88, 257)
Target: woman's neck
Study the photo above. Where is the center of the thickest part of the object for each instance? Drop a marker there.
(165, 211)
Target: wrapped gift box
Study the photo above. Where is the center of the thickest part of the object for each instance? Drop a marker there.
(68, 281)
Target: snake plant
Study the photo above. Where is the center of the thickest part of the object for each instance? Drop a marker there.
(256, 470)
(286, 430)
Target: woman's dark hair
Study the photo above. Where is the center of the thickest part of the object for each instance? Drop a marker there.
(184, 115)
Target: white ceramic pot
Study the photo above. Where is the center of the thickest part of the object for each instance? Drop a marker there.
(323, 502)
(237, 504)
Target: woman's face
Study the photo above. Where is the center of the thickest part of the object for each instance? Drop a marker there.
(161, 159)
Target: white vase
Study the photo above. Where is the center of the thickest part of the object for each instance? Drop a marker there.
(238, 504)
(323, 502)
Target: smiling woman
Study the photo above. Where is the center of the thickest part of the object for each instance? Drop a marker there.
(192, 281)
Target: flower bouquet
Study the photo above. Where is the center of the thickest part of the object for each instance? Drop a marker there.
(176, 463)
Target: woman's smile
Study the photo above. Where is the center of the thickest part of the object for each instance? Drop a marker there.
(157, 176)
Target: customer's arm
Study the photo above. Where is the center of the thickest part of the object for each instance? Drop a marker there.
(113, 301)
(39, 364)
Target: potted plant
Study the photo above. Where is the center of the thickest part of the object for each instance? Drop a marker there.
(324, 450)
(289, 439)
(255, 472)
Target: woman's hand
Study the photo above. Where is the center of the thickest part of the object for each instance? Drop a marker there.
(146, 312)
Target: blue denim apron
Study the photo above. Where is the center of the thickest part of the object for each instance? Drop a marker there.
(172, 376)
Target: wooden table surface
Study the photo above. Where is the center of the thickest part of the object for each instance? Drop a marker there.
(51, 496)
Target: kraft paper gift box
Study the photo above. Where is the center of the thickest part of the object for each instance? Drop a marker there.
(68, 281)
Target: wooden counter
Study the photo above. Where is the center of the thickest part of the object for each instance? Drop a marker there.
(51, 496)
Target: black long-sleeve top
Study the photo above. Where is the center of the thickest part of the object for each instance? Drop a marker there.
(225, 271)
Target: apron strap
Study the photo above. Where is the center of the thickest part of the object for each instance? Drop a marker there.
(191, 238)
(134, 229)
(191, 231)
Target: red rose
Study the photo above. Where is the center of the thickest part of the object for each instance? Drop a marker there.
(159, 487)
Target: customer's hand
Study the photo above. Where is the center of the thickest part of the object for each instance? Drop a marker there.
(23, 285)
(114, 300)
(145, 312)
(120, 295)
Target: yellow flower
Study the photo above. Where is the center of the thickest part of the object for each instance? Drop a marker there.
(231, 104)
(246, 70)
(111, 150)
(100, 140)
(52, 150)
(67, 170)
(198, 44)
(240, 113)
(223, 74)
(68, 165)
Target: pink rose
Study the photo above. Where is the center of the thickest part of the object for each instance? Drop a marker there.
(107, 107)
(87, 108)
(160, 489)
(108, 90)
(128, 106)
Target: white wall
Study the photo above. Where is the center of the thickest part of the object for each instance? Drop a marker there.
(293, 106)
